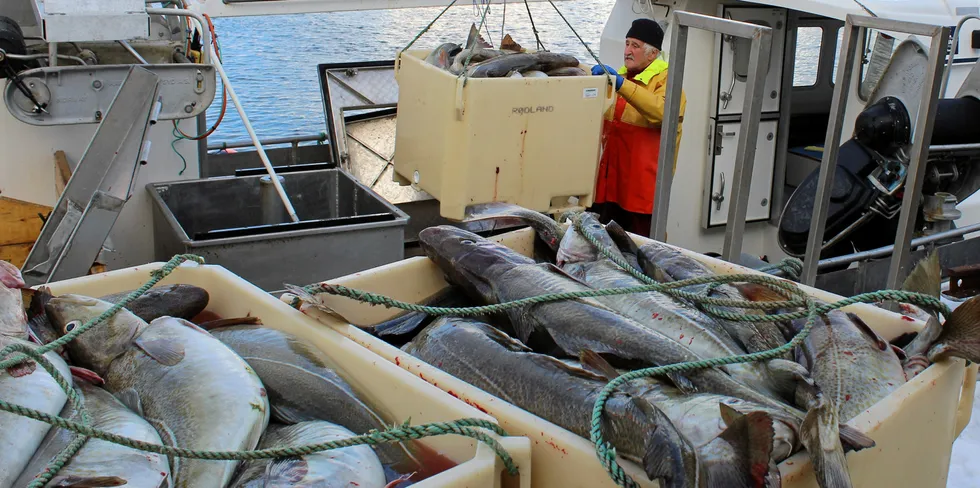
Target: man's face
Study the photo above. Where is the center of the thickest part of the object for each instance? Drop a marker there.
(635, 57)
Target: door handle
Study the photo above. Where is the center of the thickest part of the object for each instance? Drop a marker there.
(719, 196)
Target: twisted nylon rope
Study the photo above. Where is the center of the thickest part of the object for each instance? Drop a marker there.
(604, 451)
(396, 434)
(72, 448)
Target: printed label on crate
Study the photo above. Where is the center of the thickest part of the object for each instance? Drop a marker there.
(590, 93)
(531, 110)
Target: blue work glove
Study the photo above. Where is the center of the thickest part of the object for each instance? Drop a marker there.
(601, 69)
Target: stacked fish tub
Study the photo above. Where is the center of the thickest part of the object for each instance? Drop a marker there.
(448, 460)
(533, 142)
(913, 427)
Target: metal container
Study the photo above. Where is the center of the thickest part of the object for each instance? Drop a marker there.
(239, 223)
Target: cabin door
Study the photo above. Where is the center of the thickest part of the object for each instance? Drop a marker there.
(728, 96)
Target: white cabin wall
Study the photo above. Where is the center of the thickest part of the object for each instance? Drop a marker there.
(27, 172)
(683, 224)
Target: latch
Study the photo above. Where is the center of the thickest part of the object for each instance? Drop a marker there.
(719, 134)
(719, 196)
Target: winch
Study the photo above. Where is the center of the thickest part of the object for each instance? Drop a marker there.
(872, 166)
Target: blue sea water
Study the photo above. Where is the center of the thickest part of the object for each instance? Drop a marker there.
(272, 61)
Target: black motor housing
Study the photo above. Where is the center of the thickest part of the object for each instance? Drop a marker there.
(12, 42)
(851, 196)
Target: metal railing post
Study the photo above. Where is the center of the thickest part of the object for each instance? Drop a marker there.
(748, 130)
(924, 120)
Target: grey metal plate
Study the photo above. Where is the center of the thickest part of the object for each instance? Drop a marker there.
(346, 85)
(82, 94)
(370, 146)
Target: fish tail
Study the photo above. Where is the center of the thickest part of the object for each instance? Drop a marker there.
(748, 438)
(821, 437)
(668, 456)
(505, 214)
(926, 276)
(960, 336)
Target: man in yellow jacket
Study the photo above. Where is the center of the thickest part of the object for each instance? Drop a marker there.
(631, 131)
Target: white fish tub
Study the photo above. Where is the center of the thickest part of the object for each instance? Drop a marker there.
(913, 428)
(385, 386)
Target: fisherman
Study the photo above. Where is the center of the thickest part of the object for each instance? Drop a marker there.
(631, 131)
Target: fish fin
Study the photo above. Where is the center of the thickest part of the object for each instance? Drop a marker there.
(868, 331)
(168, 438)
(665, 449)
(131, 398)
(72, 481)
(286, 415)
(214, 324)
(22, 368)
(87, 375)
(164, 351)
(759, 293)
(286, 471)
(551, 362)
(854, 439)
(622, 238)
(960, 336)
(750, 437)
(191, 325)
(820, 436)
(926, 276)
(304, 295)
(402, 325)
(509, 44)
(786, 375)
(682, 383)
(475, 39)
(564, 273)
(597, 364)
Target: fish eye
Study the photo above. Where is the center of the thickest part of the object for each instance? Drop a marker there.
(70, 326)
(466, 241)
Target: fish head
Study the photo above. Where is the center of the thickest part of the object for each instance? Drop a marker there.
(467, 259)
(10, 276)
(98, 346)
(576, 247)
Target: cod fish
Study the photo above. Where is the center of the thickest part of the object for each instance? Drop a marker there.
(26, 384)
(181, 301)
(476, 55)
(689, 327)
(98, 460)
(13, 319)
(303, 384)
(355, 466)
(440, 57)
(492, 273)
(195, 391)
(539, 61)
(492, 361)
(568, 71)
(665, 264)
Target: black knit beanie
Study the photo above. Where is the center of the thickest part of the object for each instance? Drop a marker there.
(647, 31)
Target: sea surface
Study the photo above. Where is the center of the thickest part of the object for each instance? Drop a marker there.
(272, 61)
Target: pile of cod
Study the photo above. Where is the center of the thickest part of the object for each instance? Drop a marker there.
(509, 61)
(166, 371)
(720, 427)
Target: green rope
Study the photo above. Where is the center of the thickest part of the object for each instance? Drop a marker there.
(401, 433)
(604, 451)
(17, 353)
(464, 73)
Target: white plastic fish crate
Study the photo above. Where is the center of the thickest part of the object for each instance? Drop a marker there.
(913, 428)
(384, 385)
(533, 142)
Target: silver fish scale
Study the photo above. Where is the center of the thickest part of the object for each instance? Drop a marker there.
(210, 400)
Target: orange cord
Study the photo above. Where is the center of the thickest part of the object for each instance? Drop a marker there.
(224, 93)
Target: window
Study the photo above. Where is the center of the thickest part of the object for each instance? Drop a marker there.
(840, 39)
(808, 40)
